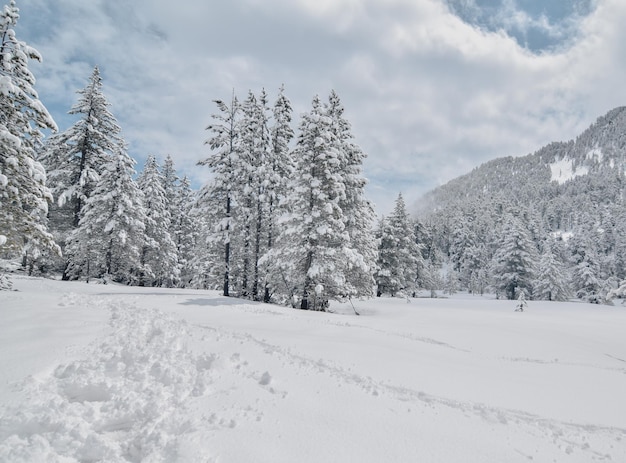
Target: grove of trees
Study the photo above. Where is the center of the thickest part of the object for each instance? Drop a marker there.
(285, 216)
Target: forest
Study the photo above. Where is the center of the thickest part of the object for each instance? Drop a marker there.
(285, 218)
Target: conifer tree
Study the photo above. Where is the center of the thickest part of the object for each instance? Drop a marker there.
(313, 252)
(158, 257)
(75, 157)
(357, 211)
(224, 143)
(398, 254)
(24, 197)
(252, 166)
(186, 232)
(551, 283)
(109, 239)
(515, 260)
(280, 168)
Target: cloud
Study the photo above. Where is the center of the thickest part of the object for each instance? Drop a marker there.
(431, 93)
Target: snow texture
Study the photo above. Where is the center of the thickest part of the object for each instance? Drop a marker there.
(121, 374)
(563, 170)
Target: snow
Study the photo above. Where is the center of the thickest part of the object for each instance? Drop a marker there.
(122, 374)
(563, 170)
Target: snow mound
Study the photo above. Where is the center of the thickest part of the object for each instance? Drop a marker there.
(124, 402)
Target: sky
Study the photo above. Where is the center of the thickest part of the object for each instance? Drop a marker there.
(432, 88)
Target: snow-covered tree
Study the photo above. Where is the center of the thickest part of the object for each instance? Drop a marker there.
(24, 196)
(280, 168)
(398, 253)
(158, 257)
(75, 157)
(515, 260)
(225, 134)
(186, 232)
(358, 212)
(313, 253)
(109, 239)
(551, 283)
(252, 167)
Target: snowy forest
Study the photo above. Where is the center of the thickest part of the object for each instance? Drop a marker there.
(285, 218)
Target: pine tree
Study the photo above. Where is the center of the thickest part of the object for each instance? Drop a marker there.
(207, 264)
(109, 239)
(398, 254)
(313, 252)
(75, 158)
(515, 260)
(358, 212)
(180, 200)
(280, 168)
(158, 257)
(24, 197)
(253, 166)
(551, 283)
(225, 153)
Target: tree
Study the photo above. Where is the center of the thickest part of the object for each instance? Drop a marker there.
(24, 197)
(314, 253)
(225, 152)
(358, 212)
(158, 256)
(551, 283)
(75, 158)
(109, 239)
(280, 168)
(398, 253)
(186, 232)
(515, 259)
(253, 166)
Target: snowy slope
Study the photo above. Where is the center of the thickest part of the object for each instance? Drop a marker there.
(109, 373)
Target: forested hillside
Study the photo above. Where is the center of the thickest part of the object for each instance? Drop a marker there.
(564, 202)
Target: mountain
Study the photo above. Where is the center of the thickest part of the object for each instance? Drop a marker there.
(568, 198)
(558, 170)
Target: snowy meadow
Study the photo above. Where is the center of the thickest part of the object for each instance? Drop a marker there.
(94, 372)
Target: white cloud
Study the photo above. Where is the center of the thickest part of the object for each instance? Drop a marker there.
(429, 96)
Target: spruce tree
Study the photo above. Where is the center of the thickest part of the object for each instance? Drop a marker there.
(279, 172)
(75, 157)
(398, 254)
(109, 239)
(158, 256)
(515, 260)
(358, 212)
(313, 252)
(24, 196)
(186, 232)
(551, 283)
(224, 143)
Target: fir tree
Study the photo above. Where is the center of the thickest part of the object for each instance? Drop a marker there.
(75, 158)
(280, 168)
(398, 254)
(515, 260)
(24, 197)
(109, 239)
(158, 257)
(225, 133)
(358, 212)
(551, 283)
(186, 232)
(313, 252)
(252, 166)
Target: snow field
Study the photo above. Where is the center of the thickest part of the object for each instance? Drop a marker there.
(189, 376)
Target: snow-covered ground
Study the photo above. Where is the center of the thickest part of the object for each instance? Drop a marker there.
(107, 373)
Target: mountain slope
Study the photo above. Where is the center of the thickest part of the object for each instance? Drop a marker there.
(569, 197)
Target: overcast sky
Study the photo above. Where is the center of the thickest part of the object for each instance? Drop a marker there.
(433, 88)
